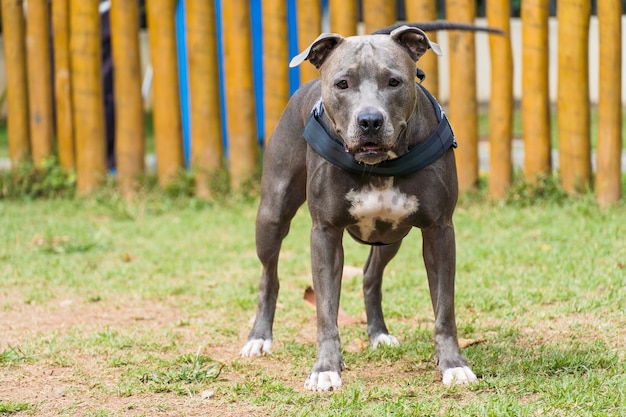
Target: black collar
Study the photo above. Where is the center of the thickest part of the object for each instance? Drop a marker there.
(424, 154)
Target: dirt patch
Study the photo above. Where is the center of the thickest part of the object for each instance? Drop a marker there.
(59, 391)
(90, 384)
(21, 321)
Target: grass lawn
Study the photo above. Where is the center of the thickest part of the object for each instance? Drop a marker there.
(114, 308)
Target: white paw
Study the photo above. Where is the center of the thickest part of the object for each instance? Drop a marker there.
(323, 381)
(257, 347)
(384, 339)
(459, 376)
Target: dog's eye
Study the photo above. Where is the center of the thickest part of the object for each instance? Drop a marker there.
(342, 85)
(394, 82)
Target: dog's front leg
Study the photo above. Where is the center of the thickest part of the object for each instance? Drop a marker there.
(279, 202)
(327, 266)
(440, 259)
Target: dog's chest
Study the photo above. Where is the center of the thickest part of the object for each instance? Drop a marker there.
(383, 203)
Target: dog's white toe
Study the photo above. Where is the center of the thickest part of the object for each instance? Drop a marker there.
(257, 347)
(323, 381)
(459, 376)
(384, 339)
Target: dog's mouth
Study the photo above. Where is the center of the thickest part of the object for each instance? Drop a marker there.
(370, 153)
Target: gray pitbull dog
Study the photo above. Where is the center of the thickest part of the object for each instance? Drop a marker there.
(373, 109)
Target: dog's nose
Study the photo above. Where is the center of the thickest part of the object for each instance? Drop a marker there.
(370, 121)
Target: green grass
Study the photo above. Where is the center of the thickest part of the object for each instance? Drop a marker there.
(9, 408)
(140, 307)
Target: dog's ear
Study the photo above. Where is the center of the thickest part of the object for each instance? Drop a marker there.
(415, 41)
(318, 51)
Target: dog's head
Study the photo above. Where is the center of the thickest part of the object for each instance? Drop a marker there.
(368, 87)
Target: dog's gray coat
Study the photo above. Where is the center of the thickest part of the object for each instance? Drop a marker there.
(371, 101)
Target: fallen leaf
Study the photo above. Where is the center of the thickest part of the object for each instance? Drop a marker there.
(309, 296)
(343, 319)
(463, 343)
(357, 345)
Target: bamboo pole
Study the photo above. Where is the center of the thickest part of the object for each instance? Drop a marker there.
(343, 17)
(62, 84)
(535, 84)
(275, 62)
(609, 173)
(309, 27)
(242, 135)
(463, 107)
(39, 80)
(378, 13)
(501, 101)
(129, 117)
(166, 100)
(86, 88)
(426, 11)
(17, 91)
(573, 95)
(206, 125)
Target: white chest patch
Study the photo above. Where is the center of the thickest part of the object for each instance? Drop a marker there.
(385, 203)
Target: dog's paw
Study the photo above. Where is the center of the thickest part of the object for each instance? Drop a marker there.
(384, 339)
(257, 347)
(323, 381)
(459, 376)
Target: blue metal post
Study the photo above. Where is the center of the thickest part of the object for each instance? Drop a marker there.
(183, 78)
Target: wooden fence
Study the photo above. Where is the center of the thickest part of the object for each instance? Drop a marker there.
(73, 95)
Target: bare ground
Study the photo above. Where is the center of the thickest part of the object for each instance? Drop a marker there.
(89, 384)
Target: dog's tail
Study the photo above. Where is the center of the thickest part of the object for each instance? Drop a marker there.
(439, 25)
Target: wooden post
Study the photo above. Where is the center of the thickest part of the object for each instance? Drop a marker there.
(501, 102)
(242, 135)
(87, 94)
(463, 107)
(129, 117)
(535, 84)
(275, 62)
(309, 28)
(343, 17)
(168, 142)
(609, 173)
(39, 80)
(17, 92)
(206, 125)
(378, 13)
(426, 11)
(62, 83)
(573, 95)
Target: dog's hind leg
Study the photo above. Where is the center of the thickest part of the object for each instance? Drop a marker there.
(378, 258)
(439, 256)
